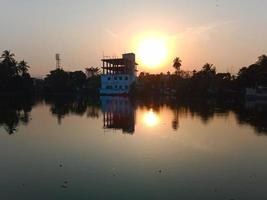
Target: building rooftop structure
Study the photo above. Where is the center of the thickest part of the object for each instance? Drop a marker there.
(118, 74)
(124, 65)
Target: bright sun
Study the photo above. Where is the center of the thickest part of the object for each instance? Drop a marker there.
(152, 51)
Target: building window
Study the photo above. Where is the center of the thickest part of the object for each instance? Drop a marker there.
(120, 87)
(116, 86)
(115, 78)
(120, 78)
(126, 78)
(109, 78)
(126, 87)
(109, 87)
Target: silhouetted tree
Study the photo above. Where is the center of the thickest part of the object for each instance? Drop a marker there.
(78, 80)
(23, 67)
(177, 63)
(62, 82)
(8, 57)
(209, 69)
(14, 76)
(253, 75)
(57, 82)
(92, 71)
(262, 60)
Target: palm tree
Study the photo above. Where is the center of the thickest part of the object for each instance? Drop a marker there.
(23, 67)
(177, 63)
(209, 68)
(8, 57)
(8, 64)
(92, 71)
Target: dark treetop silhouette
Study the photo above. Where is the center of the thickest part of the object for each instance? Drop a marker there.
(15, 79)
(204, 83)
(14, 76)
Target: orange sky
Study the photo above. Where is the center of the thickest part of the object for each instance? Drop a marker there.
(219, 32)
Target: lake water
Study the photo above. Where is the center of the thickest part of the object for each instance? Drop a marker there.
(61, 148)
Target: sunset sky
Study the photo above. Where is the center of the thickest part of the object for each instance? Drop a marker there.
(227, 33)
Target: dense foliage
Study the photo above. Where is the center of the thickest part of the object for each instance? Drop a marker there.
(15, 79)
(61, 82)
(255, 74)
(14, 76)
(204, 83)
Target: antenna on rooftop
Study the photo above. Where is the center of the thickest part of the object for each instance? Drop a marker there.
(58, 61)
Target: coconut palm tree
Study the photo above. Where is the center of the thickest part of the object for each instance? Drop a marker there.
(209, 68)
(8, 57)
(92, 71)
(23, 67)
(177, 63)
(8, 64)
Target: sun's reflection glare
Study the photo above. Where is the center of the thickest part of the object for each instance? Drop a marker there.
(150, 118)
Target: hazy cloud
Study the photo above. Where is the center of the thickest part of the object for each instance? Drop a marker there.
(111, 33)
(202, 32)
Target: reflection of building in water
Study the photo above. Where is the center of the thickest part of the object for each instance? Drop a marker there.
(118, 113)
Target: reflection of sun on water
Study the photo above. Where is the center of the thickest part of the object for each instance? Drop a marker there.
(150, 118)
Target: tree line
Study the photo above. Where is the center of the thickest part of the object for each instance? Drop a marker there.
(206, 82)
(15, 79)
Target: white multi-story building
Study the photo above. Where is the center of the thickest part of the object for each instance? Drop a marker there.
(118, 75)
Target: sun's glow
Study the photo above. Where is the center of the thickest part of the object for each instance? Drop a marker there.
(152, 51)
(150, 118)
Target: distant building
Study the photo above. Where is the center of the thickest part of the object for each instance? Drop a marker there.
(118, 75)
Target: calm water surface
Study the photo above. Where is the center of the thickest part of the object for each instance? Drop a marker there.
(116, 149)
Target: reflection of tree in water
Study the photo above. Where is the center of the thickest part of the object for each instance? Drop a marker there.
(93, 111)
(13, 112)
(175, 121)
(255, 115)
(206, 110)
(62, 106)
